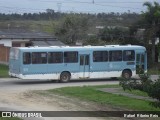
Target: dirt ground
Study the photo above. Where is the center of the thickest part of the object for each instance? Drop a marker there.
(31, 101)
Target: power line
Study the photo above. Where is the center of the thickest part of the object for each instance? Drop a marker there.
(91, 1)
(59, 6)
(95, 3)
(117, 6)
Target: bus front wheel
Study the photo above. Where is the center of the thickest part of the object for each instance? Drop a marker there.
(126, 74)
(65, 77)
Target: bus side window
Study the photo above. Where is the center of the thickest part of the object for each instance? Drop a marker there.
(115, 55)
(87, 60)
(71, 57)
(100, 56)
(81, 60)
(39, 57)
(55, 57)
(128, 55)
(26, 58)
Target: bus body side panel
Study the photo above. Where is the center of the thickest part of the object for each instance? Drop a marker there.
(110, 68)
(49, 71)
(55, 70)
(73, 68)
(34, 71)
(91, 70)
(99, 70)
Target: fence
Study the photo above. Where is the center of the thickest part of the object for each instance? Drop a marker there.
(4, 54)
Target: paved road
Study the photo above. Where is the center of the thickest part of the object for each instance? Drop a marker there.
(13, 84)
(17, 85)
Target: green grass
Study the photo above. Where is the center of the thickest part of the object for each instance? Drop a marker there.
(137, 92)
(3, 71)
(89, 93)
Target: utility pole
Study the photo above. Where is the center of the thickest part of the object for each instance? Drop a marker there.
(8, 26)
(59, 6)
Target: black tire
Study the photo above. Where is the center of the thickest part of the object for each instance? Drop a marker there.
(65, 77)
(126, 74)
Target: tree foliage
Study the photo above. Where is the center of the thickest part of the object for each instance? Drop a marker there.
(113, 33)
(152, 88)
(72, 28)
(152, 24)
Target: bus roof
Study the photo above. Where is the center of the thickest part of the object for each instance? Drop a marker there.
(82, 47)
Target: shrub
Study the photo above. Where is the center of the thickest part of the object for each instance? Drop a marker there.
(125, 83)
(145, 84)
(128, 84)
(154, 90)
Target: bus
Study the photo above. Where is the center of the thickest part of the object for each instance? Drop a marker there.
(66, 63)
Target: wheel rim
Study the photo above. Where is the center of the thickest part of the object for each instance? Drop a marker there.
(65, 77)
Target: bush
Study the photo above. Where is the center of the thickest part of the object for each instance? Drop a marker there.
(154, 90)
(125, 83)
(145, 84)
(128, 84)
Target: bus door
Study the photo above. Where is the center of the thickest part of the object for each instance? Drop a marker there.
(140, 63)
(84, 66)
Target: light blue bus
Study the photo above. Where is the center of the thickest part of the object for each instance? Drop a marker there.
(65, 63)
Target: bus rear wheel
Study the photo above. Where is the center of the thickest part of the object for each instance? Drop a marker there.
(126, 74)
(65, 77)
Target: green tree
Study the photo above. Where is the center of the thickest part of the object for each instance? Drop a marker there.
(152, 21)
(72, 28)
(114, 34)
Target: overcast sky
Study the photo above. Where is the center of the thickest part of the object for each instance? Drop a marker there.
(84, 6)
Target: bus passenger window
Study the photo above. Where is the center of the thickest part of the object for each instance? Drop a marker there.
(87, 60)
(115, 55)
(26, 58)
(55, 57)
(128, 55)
(71, 57)
(39, 57)
(100, 56)
(81, 60)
